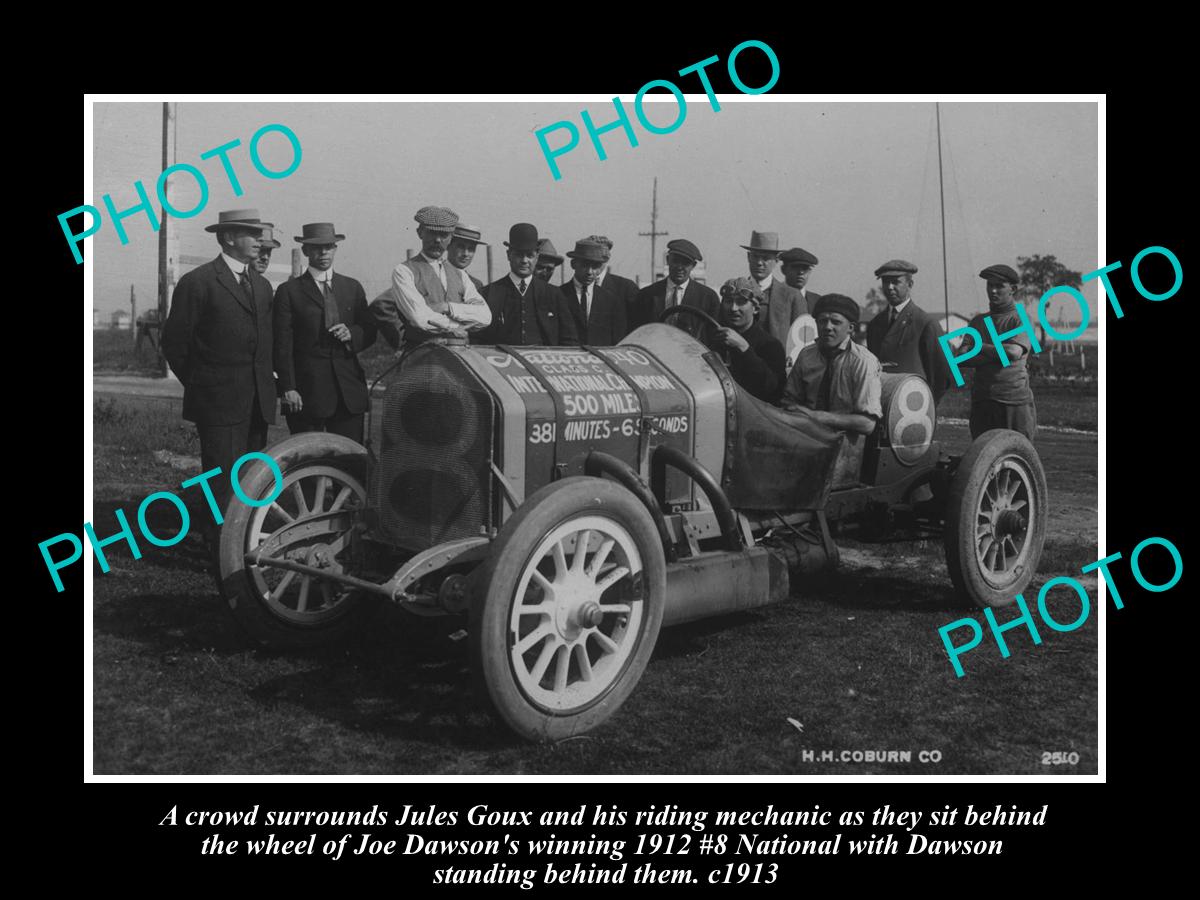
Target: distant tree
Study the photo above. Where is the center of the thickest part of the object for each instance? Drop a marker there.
(873, 304)
(1040, 273)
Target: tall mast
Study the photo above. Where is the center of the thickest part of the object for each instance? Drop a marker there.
(653, 233)
(937, 112)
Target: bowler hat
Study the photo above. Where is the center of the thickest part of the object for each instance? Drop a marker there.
(685, 248)
(268, 239)
(467, 233)
(522, 237)
(239, 218)
(589, 251)
(838, 303)
(319, 233)
(797, 255)
(1001, 272)
(547, 252)
(896, 267)
(436, 218)
(763, 242)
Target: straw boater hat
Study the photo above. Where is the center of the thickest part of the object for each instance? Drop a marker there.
(319, 233)
(239, 218)
(467, 233)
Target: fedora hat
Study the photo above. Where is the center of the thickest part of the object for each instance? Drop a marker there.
(319, 233)
(763, 242)
(238, 218)
(522, 237)
(547, 251)
(589, 251)
(268, 239)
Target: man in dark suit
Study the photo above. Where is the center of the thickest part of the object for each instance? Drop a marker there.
(755, 359)
(217, 340)
(462, 250)
(904, 337)
(677, 289)
(266, 244)
(796, 265)
(548, 260)
(784, 304)
(526, 310)
(624, 288)
(599, 314)
(321, 323)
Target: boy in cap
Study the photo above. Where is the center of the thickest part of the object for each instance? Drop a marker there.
(548, 260)
(677, 289)
(835, 380)
(599, 314)
(322, 323)
(904, 337)
(1001, 396)
(755, 359)
(797, 265)
(429, 298)
(462, 250)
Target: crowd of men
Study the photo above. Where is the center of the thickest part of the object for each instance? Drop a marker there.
(233, 343)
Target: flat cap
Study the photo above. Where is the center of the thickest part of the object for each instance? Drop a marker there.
(547, 252)
(747, 287)
(685, 248)
(838, 303)
(797, 255)
(1001, 273)
(600, 239)
(436, 218)
(896, 267)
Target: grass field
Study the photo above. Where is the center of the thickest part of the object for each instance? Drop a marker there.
(113, 353)
(854, 657)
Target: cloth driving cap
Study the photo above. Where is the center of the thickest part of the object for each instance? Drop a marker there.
(436, 218)
(601, 239)
(763, 242)
(838, 303)
(1001, 273)
(745, 286)
(589, 251)
(547, 252)
(268, 240)
(319, 233)
(522, 237)
(239, 218)
(797, 255)
(685, 248)
(896, 267)
(467, 233)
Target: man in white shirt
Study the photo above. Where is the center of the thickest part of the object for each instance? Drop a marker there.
(430, 299)
(600, 316)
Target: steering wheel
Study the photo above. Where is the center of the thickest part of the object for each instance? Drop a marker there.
(703, 329)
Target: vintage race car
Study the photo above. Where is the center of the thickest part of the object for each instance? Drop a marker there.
(568, 502)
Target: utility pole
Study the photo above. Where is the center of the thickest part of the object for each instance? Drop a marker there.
(653, 233)
(937, 112)
(168, 239)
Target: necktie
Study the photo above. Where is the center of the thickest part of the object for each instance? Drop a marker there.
(892, 316)
(331, 310)
(521, 287)
(441, 273)
(824, 391)
(244, 281)
(677, 296)
(583, 301)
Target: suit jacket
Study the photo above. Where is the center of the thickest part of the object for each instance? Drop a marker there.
(784, 306)
(308, 359)
(605, 324)
(910, 345)
(555, 323)
(218, 343)
(652, 300)
(625, 289)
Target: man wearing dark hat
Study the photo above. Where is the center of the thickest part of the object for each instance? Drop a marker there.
(600, 316)
(796, 265)
(321, 323)
(526, 310)
(429, 297)
(262, 262)
(904, 337)
(677, 289)
(1001, 396)
(784, 304)
(835, 380)
(462, 250)
(624, 288)
(548, 260)
(755, 359)
(217, 340)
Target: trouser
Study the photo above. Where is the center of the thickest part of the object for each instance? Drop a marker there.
(223, 445)
(989, 414)
(342, 422)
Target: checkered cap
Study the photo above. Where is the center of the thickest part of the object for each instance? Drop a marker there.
(436, 218)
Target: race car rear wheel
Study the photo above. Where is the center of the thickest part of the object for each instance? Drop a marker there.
(996, 518)
(568, 608)
(322, 492)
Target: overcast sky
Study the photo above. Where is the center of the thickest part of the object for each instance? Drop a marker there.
(854, 183)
